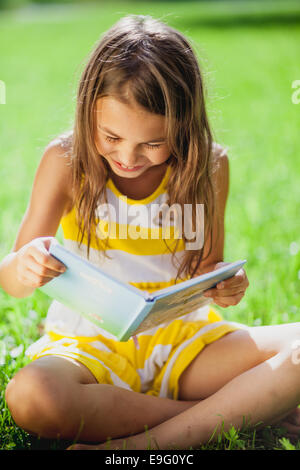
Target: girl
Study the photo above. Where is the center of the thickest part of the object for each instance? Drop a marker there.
(141, 135)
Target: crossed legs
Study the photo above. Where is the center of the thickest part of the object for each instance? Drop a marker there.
(247, 373)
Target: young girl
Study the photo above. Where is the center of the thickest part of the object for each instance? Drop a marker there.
(141, 136)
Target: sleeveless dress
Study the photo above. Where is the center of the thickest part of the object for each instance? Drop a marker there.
(152, 362)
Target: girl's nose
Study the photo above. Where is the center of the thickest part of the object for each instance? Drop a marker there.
(128, 157)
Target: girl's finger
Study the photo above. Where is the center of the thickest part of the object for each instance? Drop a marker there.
(223, 292)
(221, 304)
(30, 278)
(43, 258)
(228, 292)
(41, 269)
(238, 279)
(232, 285)
(234, 300)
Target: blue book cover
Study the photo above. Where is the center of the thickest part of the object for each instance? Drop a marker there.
(122, 309)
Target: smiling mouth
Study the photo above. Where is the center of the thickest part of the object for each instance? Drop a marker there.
(127, 168)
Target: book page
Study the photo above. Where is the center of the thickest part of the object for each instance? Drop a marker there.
(186, 299)
(170, 308)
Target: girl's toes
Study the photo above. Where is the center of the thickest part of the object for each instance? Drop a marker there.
(293, 417)
(292, 429)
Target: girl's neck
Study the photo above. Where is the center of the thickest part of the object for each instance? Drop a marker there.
(142, 186)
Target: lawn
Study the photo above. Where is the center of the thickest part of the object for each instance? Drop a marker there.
(249, 53)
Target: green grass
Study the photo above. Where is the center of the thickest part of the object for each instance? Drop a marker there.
(249, 52)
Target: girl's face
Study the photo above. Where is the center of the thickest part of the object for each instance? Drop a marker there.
(131, 139)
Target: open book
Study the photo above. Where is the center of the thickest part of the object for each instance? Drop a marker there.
(122, 309)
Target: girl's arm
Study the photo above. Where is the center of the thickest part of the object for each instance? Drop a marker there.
(29, 265)
(232, 290)
(220, 181)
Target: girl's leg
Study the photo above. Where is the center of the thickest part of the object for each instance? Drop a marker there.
(59, 397)
(250, 376)
(233, 354)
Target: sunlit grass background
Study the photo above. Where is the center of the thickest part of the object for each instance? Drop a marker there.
(249, 53)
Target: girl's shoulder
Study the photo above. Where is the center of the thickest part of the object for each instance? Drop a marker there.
(219, 168)
(64, 142)
(218, 151)
(57, 158)
(219, 158)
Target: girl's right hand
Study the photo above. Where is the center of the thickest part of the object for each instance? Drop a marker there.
(35, 266)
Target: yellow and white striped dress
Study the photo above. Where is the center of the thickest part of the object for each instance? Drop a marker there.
(154, 363)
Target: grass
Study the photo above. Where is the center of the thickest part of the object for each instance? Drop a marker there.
(249, 53)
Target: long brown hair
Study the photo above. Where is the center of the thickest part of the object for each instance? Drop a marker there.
(159, 66)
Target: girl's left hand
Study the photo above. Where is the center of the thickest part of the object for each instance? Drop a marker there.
(231, 290)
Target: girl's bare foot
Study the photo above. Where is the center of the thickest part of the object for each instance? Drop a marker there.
(115, 444)
(291, 423)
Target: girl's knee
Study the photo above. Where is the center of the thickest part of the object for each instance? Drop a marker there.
(37, 402)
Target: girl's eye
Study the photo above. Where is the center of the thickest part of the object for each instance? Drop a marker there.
(150, 147)
(154, 146)
(111, 139)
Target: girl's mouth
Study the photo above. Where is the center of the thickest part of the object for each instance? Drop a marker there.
(126, 168)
